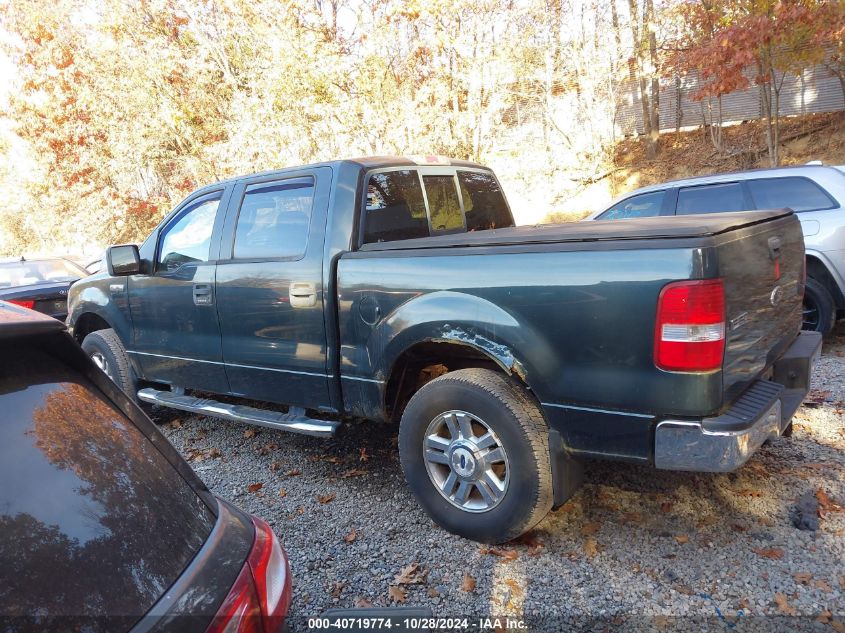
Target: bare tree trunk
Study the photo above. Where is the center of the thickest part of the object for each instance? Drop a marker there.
(651, 31)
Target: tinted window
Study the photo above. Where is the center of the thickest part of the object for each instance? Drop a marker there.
(639, 206)
(395, 209)
(94, 521)
(274, 220)
(711, 199)
(188, 239)
(443, 203)
(799, 194)
(484, 203)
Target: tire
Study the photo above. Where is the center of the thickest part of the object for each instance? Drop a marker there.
(819, 308)
(107, 352)
(486, 404)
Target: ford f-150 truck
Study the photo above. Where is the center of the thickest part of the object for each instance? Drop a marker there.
(399, 289)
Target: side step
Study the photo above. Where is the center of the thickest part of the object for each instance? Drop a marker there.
(294, 420)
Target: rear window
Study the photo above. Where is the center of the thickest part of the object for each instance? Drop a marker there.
(799, 194)
(444, 204)
(23, 273)
(395, 208)
(643, 205)
(716, 198)
(94, 521)
(459, 201)
(484, 202)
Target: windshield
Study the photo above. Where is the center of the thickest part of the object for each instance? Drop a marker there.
(94, 521)
(25, 273)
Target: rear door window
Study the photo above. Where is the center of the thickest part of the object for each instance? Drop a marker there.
(274, 220)
(395, 207)
(443, 203)
(643, 205)
(484, 202)
(799, 194)
(94, 520)
(716, 198)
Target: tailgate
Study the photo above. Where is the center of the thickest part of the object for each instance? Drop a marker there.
(763, 271)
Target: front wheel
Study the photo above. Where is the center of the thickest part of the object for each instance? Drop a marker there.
(105, 349)
(819, 308)
(474, 447)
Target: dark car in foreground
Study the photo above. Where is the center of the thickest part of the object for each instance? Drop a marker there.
(103, 526)
(39, 284)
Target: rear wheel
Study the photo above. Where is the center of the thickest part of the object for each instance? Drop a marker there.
(819, 308)
(105, 349)
(474, 449)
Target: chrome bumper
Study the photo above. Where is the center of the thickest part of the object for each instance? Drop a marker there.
(725, 442)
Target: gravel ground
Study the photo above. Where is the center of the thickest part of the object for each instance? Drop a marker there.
(636, 548)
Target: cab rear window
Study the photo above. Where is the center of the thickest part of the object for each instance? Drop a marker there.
(405, 204)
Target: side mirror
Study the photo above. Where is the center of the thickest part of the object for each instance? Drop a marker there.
(123, 260)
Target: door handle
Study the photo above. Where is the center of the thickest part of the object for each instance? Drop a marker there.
(203, 295)
(302, 294)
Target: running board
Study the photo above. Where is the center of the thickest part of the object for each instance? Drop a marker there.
(294, 420)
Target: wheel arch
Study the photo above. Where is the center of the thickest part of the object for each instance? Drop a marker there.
(818, 269)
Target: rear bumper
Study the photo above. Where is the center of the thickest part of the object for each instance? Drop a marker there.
(725, 442)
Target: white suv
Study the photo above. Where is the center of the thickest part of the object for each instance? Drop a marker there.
(815, 192)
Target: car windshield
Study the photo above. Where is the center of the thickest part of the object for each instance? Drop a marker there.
(28, 272)
(94, 521)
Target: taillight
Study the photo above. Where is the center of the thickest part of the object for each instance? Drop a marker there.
(24, 303)
(690, 329)
(259, 600)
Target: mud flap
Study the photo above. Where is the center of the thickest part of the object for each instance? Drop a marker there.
(567, 473)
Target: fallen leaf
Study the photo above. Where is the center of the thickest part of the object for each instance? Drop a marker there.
(822, 585)
(396, 594)
(824, 617)
(214, 452)
(815, 397)
(837, 625)
(783, 604)
(744, 604)
(681, 538)
(175, 424)
(505, 554)
(412, 574)
(589, 529)
(468, 584)
(355, 472)
(591, 547)
(250, 433)
(350, 538)
(826, 504)
(432, 592)
(283, 492)
(736, 527)
(276, 466)
(255, 487)
(748, 492)
(666, 506)
(632, 517)
(326, 498)
(842, 581)
(529, 539)
(268, 448)
(293, 473)
(338, 589)
(684, 589)
(514, 587)
(775, 553)
(364, 456)
(802, 577)
(362, 603)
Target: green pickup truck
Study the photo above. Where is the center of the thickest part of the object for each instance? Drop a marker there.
(399, 289)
